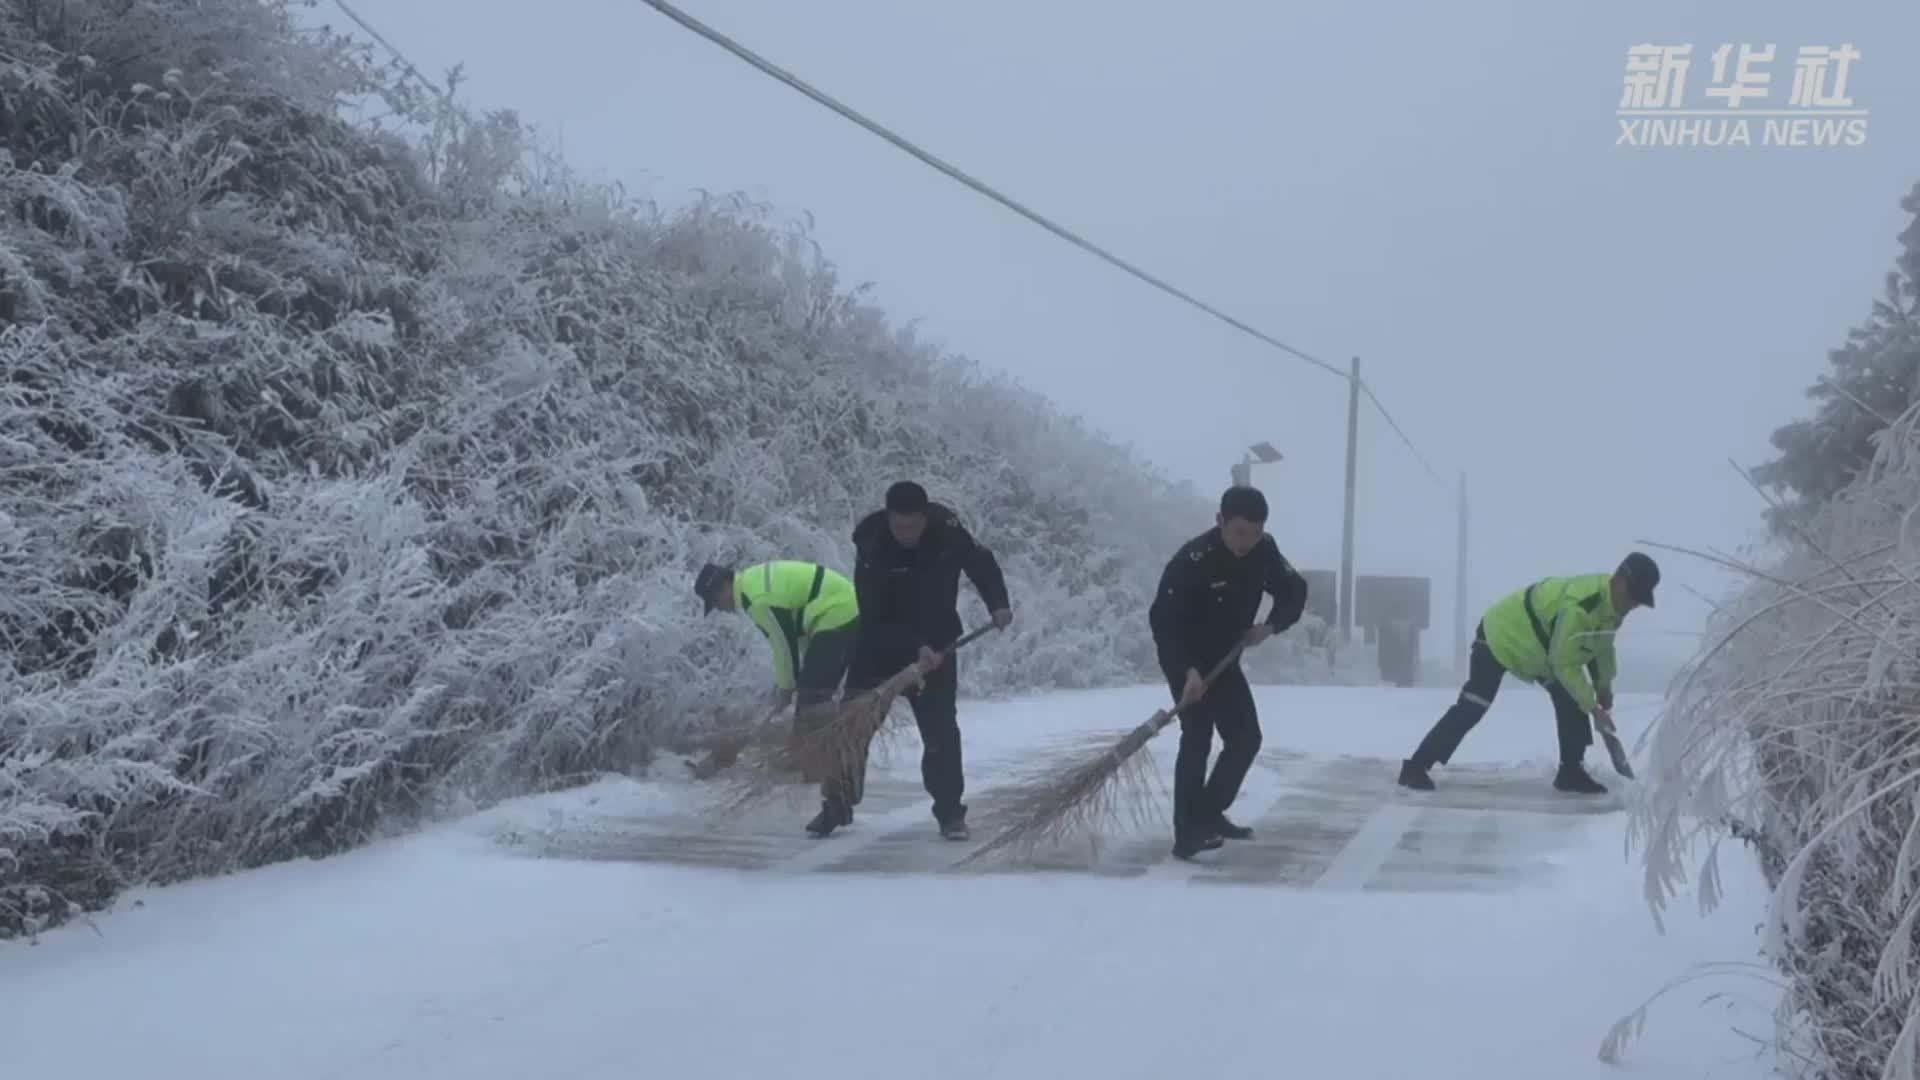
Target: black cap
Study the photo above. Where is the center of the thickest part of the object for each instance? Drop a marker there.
(907, 497)
(703, 583)
(1642, 574)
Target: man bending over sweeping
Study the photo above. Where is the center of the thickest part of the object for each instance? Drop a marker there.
(811, 616)
(1208, 597)
(1555, 632)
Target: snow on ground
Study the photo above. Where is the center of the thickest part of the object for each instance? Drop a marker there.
(1491, 930)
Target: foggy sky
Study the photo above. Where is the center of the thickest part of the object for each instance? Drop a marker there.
(1588, 331)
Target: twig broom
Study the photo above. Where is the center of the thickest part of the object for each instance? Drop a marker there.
(835, 745)
(723, 749)
(1053, 808)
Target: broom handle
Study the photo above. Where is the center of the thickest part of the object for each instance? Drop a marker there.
(964, 638)
(948, 651)
(969, 636)
(1225, 661)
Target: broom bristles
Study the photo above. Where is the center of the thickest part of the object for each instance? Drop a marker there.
(1088, 795)
(1112, 780)
(730, 729)
(838, 745)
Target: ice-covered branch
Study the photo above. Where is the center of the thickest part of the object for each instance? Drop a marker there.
(1797, 732)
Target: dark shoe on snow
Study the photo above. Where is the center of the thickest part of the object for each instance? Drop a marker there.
(823, 824)
(1225, 829)
(1188, 844)
(1574, 780)
(953, 824)
(832, 815)
(1415, 777)
(951, 821)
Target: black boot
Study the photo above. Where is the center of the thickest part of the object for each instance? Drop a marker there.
(1223, 827)
(1190, 842)
(954, 826)
(832, 815)
(1573, 779)
(1414, 775)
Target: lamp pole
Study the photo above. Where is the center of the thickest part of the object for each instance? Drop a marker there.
(1346, 527)
(1461, 646)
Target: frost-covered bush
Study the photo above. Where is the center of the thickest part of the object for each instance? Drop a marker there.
(1797, 732)
(1312, 652)
(344, 470)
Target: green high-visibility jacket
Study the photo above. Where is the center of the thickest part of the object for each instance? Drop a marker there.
(790, 601)
(1567, 635)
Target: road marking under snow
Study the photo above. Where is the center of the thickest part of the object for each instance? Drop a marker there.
(1266, 785)
(1368, 851)
(1327, 823)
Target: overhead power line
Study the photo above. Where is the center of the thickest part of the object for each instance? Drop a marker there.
(411, 70)
(774, 71)
(789, 79)
(796, 83)
(1388, 417)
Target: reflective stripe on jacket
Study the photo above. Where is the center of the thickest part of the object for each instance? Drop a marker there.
(790, 601)
(1559, 629)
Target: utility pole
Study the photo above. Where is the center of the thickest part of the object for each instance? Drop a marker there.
(1346, 529)
(1461, 647)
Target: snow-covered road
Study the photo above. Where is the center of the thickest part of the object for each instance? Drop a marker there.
(1491, 930)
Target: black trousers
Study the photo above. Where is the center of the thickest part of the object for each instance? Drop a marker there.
(829, 656)
(827, 661)
(1484, 675)
(935, 712)
(1227, 708)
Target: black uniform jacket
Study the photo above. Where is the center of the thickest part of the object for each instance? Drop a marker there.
(1208, 598)
(910, 597)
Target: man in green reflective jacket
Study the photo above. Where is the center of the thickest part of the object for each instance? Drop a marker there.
(1557, 632)
(811, 616)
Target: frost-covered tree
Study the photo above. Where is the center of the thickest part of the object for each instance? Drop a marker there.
(348, 468)
(1873, 378)
(1797, 732)
(1796, 729)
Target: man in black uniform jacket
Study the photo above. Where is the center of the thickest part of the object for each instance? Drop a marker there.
(907, 574)
(1209, 594)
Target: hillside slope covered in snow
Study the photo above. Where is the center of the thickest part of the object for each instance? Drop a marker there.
(347, 468)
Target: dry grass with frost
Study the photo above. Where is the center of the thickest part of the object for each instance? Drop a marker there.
(1797, 733)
